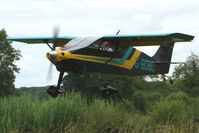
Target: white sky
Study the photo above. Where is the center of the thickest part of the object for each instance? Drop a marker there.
(36, 18)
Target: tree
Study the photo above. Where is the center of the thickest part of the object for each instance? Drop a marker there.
(8, 56)
(188, 75)
(85, 84)
(88, 84)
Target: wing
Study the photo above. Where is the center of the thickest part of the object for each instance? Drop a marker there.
(39, 40)
(148, 40)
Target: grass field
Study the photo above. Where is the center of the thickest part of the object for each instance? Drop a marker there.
(72, 114)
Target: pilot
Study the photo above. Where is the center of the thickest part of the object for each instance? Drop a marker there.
(105, 46)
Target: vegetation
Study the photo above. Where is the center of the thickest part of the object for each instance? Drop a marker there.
(72, 114)
(188, 76)
(8, 56)
(38, 92)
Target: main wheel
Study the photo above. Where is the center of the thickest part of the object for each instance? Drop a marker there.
(53, 91)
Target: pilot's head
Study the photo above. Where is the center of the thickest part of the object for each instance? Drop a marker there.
(105, 44)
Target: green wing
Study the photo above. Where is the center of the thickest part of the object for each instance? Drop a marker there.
(61, 41)
(148, 40)
(124, 40)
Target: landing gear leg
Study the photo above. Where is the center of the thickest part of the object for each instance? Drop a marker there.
(108, 92)
(54, 91)
(60, 79)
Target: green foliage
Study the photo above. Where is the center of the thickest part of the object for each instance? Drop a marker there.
(188, 74)
(178, 96)
(84, 84)
(27, 113)
(174, 112)
(8, 56)
(139, 100)
(143, 100)
(39, 92)
(132, 90)
(101, 120)
(88, 84)
(72, 114)
(195, 109)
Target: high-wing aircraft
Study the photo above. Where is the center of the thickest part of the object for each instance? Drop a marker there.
(110, 54)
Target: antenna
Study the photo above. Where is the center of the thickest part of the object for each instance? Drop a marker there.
(118, 32)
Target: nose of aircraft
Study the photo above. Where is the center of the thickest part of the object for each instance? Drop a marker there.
(58, 55)
(53, 54)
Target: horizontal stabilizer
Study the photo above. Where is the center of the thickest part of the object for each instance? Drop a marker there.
(170, 62)
(177, 62)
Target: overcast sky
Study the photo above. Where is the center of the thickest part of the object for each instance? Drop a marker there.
(36, 18)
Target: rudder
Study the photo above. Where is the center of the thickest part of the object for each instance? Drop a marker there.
(163, 58)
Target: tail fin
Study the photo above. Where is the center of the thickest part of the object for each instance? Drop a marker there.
(163, 58)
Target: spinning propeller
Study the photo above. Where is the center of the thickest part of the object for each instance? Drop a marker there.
(53, 53)
(56, 30)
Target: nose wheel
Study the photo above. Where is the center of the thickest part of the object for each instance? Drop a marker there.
(54, 91)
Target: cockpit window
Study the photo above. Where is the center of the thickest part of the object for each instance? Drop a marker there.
(79, 43)
(95, 45)
(102, 45)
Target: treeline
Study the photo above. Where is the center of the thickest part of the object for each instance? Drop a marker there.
(38, 92)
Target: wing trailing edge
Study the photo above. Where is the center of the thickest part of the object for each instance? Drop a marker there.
(150, 39)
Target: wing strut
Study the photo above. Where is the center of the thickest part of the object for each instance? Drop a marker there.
(46, 41)
(115, 54)
(110, 59)
(113, 57)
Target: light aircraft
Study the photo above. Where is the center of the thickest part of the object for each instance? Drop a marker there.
(109, 54)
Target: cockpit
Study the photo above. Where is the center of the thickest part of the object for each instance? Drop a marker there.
(96, 46)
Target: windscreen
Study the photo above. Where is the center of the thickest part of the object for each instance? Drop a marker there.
(79, 43)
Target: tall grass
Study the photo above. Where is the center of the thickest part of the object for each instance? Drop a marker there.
(72, 114)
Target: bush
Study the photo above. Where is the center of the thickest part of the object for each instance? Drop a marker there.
(72, 114)
(27, 113)
(178, 96)
(174, 112)
(140, 102)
